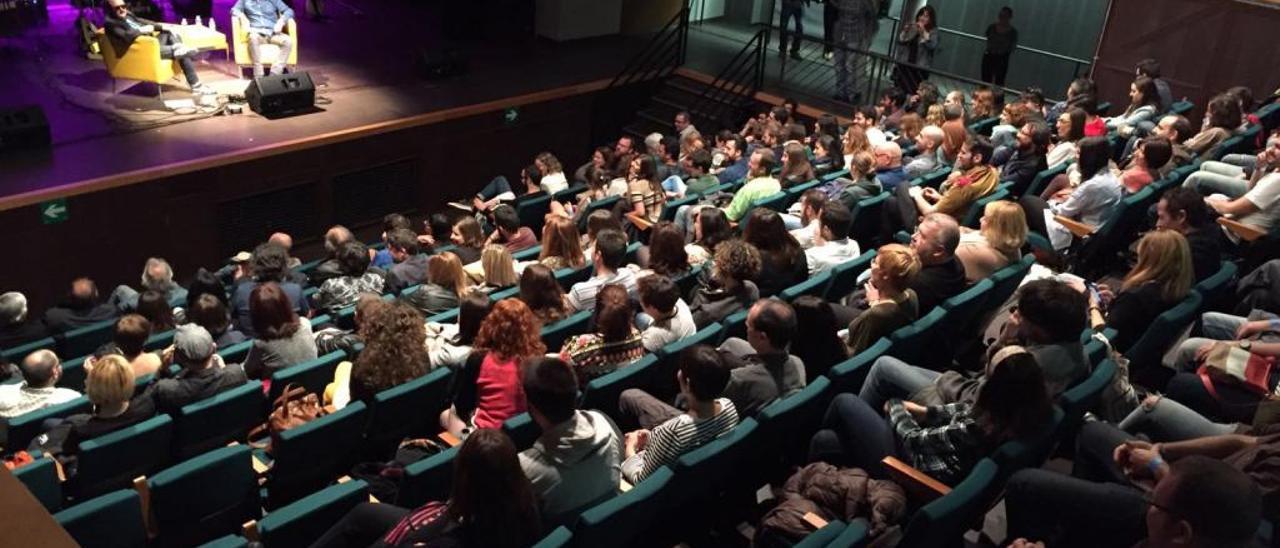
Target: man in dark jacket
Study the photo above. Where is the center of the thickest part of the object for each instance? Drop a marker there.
(82, 307)
(122, 28)
(203, 373)
(1029, 158)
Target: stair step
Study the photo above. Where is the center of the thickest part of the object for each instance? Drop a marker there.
(667, 126)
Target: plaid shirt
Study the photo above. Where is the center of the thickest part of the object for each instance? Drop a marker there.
(946, 446)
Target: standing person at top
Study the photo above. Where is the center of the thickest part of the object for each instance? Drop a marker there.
(916, 43)
(791, 9)
(266, 21)
(122, 27)
(858, 22)
(1002, 39)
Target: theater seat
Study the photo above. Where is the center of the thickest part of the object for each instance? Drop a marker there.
(974, 215)
(112, 461)
(82, 341)
(303, 522)
(814, 286)
(735, 325)
(869, 227)
(844, 277)
(313, 375)
(310, 456)
(41, 479)
(427, 480)
(602, 392)
(205, 497)
(25, 427)
(662, 380)
(853, 536)
(919, 343)
(628, 519)
(217, 420)
(15, 354)
(1082, 397)
(785, 426)
(559, 538)
(113, 520)
(406, 410)
(1146, 353)
(847, 376)
(229, 541)
(944, 521)
(556, 334)
(522, 430)
(1216, 289)
(1040, 182)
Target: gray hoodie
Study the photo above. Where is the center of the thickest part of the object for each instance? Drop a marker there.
(574, 463)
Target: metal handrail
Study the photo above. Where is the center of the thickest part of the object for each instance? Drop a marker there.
(656, 55)
(742, 76)
(898, 20)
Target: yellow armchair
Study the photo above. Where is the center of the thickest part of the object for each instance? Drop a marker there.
(240, 39)
(140, 62)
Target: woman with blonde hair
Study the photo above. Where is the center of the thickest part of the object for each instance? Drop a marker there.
(1159, 281)
(109, 387)
(796, 168)
(561, 245)
(446, 282)
(892, 304)
(498, 268)
(996, 244)
(984, 103)
(935, 115)
(553, 178)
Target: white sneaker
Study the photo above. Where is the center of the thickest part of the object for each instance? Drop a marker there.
(828, 55)
(462, 206)
(203, 89)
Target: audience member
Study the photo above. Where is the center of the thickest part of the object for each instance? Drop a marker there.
(996, 244)
(1149, 156)
(735, 161)
(782, 261)
(41, 371)
(1258, 204)
(1161, 279)
(807, 222)
(831, 243)
(816, 342)
(1182, 210)
(909, 128)
(889, 170)
(1070, 129)
(210, 313)
(80, 308)
(267, 265)
(468, 239)
(281, 338)
(926, 158)
(1092, 203)
(728, 286)
(351, 278)
(1029, 158)
(157, 275)
(446, 283)
(203, 373)
(491, 504)
(972, 179)
(331, 266)
(1144, 104)
(941, 275)
(615, 343)
(1221, 119)
(667, 432)
(543, 294)
(488, 389)
(608, 260)
(762, 369)
(110, 388)
(760, 185)
(665, 254)
(561, 245)
(508, 231)
(1150, 68)
(497, 269)
(16, 327)
(155, 308)
(644, 189)
(669, 317)
(390, 223)
(394, 353)
(891, 303)
(130, 338)
(449, 344)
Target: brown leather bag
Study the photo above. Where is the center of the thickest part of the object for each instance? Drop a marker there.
(294, 407)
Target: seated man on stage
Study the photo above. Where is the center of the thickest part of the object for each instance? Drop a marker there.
(266, 20)
(123, 27)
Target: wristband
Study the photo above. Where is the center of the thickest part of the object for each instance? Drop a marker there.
(1154, 464)
(1274, 324)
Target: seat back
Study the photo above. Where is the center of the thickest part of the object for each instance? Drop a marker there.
(427, 479)
(670, 208)
(844, 277)
(1029, 452)
(309, 456)
(215, 421)
(1005, 283)
(313, 375)
(735, 325)
(556, 334)
(113, 520)
(522, 430)
(236, 352)
(934, 179)
(974, 214)
(112, 461)
(869, 227)
(15, 354)
(963, 309)
(304, 521)
(1040, 182)
(711, 468)
(1082, 397)
(41, 479)
(74, 374)
(854, 536)
(784, 427)
(1167, 328)
(1217, 287)
(914, 343)
(205, 497)
(602, 392)
(559, 538)
(528, 253)
(815, 286)
(983, 126)
(406, 410)
(82, 341)
(822, 537)
(569, 276)
(25, 427)
(661, 380)
(607, 204)
(533, 211)
(227, 541)
(944, 521)
(776, 201)
(627, 519)
(847, 376)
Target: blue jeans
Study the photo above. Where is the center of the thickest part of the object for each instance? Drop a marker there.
(853, 434)
(1061, 510)
(891, 378)
(1215, 326)
(1219, 178)
(1167, 420)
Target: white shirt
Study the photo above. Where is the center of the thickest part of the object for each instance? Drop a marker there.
(662, 333)
(830, 254)
(19, 399)
(805, 234)
(876, 137)
(1265, 194)
(553, 182)
(582, 296)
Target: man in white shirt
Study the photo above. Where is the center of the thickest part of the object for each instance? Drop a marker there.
(810, 208)
(41, 370)
(1259, 207)
(672, 319)
(608, 258)
(832, 244)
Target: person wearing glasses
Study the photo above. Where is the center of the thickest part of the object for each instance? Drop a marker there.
(123, 27)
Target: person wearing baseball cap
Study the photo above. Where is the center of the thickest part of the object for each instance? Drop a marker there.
(203, 372)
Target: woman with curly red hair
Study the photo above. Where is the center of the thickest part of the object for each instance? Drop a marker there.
(489, 390)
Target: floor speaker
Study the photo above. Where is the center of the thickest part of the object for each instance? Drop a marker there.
(280, 95)
(23, 127)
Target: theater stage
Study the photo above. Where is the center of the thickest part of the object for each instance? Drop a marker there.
(364, 65)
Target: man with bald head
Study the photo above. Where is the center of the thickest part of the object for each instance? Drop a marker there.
(122, 27)
(926, 158)
(157, 275)
(40, 372)
(889, 165)
(16, 327)
(329, 268)
(763, 369)
(80, 308)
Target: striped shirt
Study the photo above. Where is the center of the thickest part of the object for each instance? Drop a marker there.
(582, 296)
(680, 435)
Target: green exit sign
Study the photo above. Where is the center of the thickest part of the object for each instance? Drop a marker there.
(511, 115)
(53, 212)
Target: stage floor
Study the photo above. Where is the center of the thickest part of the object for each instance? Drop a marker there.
(364, 65)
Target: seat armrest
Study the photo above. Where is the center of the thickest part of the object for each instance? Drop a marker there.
(639, 221)
(1077, 228)
(1246, 232)
(918, 485)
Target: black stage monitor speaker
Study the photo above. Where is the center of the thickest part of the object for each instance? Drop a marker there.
(280, 95)
(23, 127)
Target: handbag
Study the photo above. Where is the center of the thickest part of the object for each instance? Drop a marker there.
(1229, 363)
(294, 407)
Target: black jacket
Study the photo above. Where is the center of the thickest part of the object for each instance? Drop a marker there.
(121, 33)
